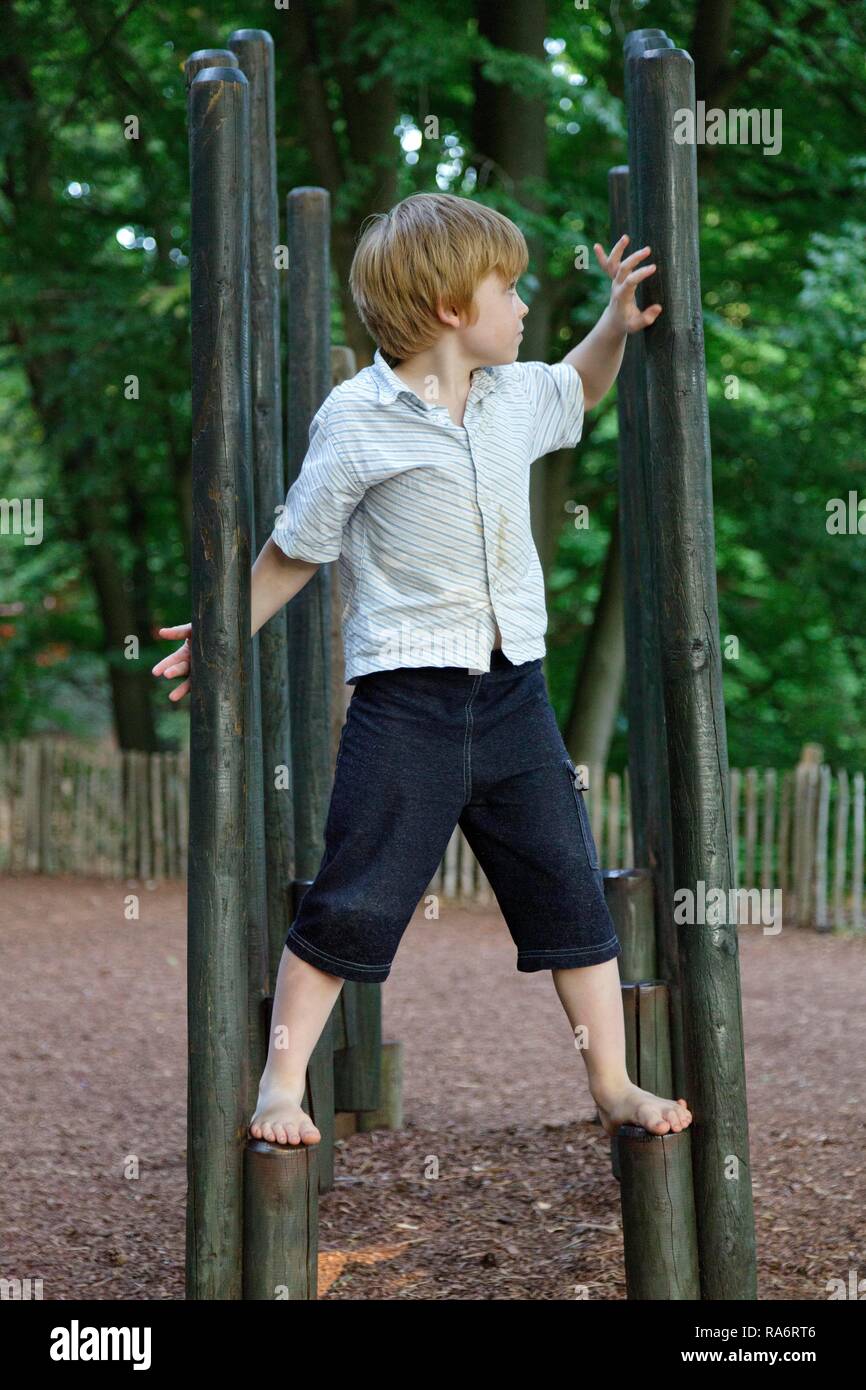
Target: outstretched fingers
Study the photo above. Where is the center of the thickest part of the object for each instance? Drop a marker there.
(179, 691)
(635, 276)
(177, 664)
(610, 263)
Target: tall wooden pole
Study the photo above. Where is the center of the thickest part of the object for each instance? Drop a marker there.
(254, 49)
(217, 909)
(648, 771)
(685, 575)
(309, 613)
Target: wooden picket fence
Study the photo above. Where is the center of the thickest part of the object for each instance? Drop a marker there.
(67, 808)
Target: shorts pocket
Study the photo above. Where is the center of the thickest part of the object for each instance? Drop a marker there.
(582, 815)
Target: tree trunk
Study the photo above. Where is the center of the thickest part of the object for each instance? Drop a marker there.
(598, 690)
(509, 148)
(308, 48)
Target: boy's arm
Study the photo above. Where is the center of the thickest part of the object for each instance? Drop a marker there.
(308, 532)
(598, 357)
(276, 578)
(309, 528)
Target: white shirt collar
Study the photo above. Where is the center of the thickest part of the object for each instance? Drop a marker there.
(390, 385)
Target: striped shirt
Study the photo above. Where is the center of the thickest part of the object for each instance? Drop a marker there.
(430, 520)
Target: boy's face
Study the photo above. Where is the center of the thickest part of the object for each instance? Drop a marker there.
(494, 339)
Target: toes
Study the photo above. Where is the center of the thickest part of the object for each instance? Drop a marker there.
(652, 1118)
(285, 1132)
(654, 1121)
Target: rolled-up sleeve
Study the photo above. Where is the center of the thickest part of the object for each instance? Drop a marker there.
(319, 502)
(556, 398)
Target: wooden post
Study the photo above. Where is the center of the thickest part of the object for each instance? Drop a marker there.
(646, 1015)
(356, 1017)
(822, 827)
(389, 1114)
(751, 827)
(684, 575)
(308, 615)
(217, 910)
(646, 1010)
(783, 872)
(358, 1052)
(734, 785)
(629, 897)
(207, 58)
(254, 50)
(613, 857)
(258, 977)
(857, 854)
(768, 877)
(649, 793)
(658, 1215)
(280, 1221)
(840, 849)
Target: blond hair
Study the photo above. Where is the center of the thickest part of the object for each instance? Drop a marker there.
(430, 246)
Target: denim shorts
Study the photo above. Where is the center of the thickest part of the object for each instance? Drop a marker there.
(424, 749)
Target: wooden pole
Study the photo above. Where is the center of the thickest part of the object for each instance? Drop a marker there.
(629, 897)
(217, 911)
(646, 1016)
(768, 880)
(258, 982)
(857, 855)
(254, 50)
(662, 85)
(658, 1215)
(358, 1048)
(207, 58)
(281, 1221)
(345, 1067)
(647, 759)
(389, 1114)
(309, 613)
(840, 848)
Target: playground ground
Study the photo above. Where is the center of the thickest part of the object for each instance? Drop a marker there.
(524, 1207)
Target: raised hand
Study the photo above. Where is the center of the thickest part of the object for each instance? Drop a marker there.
(178, 664)
(625, 281)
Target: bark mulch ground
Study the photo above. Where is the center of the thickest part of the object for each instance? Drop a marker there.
(499, 1187)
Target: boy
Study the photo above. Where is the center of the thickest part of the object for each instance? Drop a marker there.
(417, 478)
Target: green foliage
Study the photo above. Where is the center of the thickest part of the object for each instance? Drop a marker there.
(783, 242)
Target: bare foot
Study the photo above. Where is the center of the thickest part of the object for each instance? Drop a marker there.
(279, 1118)
(633, 1106)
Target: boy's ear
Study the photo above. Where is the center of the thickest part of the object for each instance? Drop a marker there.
(446, 312)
